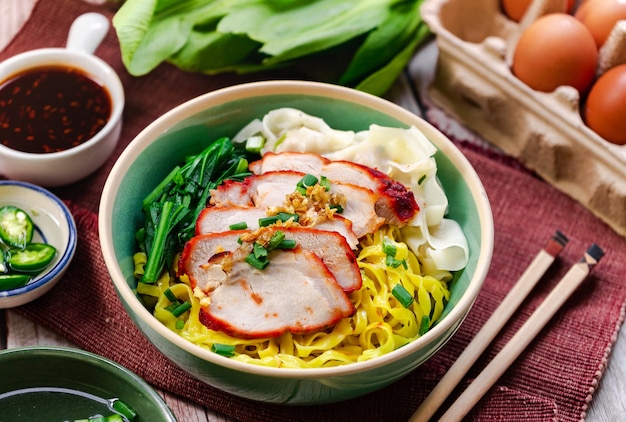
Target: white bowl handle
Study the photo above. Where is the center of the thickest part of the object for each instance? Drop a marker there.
(87, 32)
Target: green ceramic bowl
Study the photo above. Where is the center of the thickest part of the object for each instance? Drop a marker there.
(59, 384)
(164, 143)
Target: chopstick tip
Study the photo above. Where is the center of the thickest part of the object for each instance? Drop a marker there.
(593, 255)
(556, 244)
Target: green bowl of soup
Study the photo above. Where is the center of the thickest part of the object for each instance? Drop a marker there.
(67, 384)
(186, 131)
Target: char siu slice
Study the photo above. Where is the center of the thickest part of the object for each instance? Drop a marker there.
(294, 293)
(219, 219)
(202, 261)
(271, 189)
(396, 203)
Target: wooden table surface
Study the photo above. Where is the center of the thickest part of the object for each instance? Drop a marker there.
(609, 399)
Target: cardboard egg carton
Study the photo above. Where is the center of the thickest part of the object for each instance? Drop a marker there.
(473, 82)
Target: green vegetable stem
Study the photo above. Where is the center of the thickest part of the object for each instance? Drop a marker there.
(364, 44)
(172, 208)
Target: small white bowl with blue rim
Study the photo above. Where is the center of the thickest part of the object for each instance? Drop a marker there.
(53, 224)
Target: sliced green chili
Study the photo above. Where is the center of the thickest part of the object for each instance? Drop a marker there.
(33, 257)
(13, 281)
(16, 227)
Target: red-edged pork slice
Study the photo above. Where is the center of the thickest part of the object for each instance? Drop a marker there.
(295, 293)
(271, 189)
(204, 253)
(397, 203)
(334, 251)
(201, 259)
(219, 219)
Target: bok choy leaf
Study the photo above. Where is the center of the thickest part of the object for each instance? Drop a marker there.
(358, 43)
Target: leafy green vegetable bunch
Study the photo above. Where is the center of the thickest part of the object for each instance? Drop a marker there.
(363, 44)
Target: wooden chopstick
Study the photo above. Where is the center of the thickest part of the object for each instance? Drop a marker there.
(529, 330)
(494, 324)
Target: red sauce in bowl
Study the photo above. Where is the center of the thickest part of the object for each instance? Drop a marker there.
(51, 109)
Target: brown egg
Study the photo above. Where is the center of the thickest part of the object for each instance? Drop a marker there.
(605, 108)
(515, 9)
(600, 16)
(555, 50)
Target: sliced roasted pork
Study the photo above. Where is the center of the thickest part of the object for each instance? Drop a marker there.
(219, 219)
(396, 203)
(271, 189)
(296, 293)
(334, 251)
(203, 260)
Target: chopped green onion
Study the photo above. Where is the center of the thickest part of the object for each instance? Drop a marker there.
(257, 263)
(286, 216)
(389, 248)
(255, 143)
(392, 262)
(259, 251)
(424, 325)
(242, 166)
(239, 226)
(124, 409)
(169, 294)
(403, 296)
(276, 239)
(180, 324)
(287, 244)
(227, 350)
(280, 141)
(268, 221)
(325, 183)
(421, 179)
(181, 309)
(306, 181)
(338, 208)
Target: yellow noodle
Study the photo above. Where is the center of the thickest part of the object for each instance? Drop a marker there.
(380, 324)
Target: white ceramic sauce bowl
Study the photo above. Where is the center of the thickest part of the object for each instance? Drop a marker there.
(70, 165)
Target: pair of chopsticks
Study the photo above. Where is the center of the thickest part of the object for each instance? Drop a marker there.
(516, 345)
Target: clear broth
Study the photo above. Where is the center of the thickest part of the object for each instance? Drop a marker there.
(51, 404)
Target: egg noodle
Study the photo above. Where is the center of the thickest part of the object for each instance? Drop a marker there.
(380, 324)
(426, 252)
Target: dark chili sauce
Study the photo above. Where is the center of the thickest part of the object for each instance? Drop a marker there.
(51, 109)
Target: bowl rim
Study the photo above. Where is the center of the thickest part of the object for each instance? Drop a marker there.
(68, 253)
(97, 361)
(291, 87)
(56, 56)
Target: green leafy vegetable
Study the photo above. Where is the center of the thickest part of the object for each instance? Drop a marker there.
(359, 43)
(172, 208)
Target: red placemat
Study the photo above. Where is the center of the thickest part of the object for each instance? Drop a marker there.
(553, 380)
